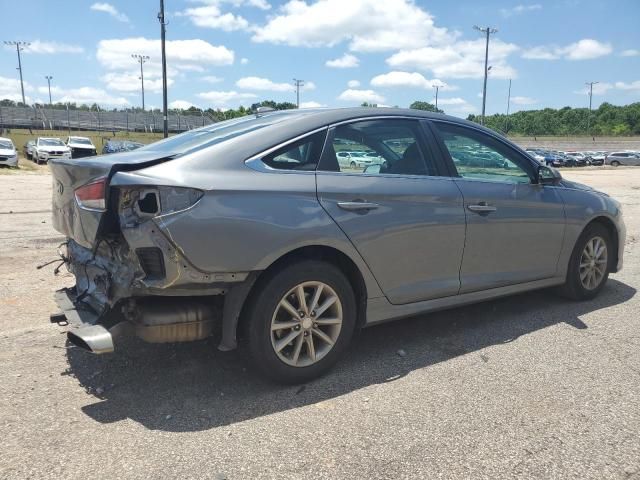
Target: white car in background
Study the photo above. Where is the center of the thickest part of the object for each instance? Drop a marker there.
(81, 147)
(47, 148)
(8, 153)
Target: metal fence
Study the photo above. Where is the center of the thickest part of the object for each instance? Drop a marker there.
(43, 118)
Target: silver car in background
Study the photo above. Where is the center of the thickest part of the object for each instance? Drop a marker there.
(616, 159)
(254, 225)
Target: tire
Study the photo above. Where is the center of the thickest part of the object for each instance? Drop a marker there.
(574, 287)
(353, 165)
(615, 163)
(265, 311)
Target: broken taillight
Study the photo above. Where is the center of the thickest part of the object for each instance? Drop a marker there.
(92, 195)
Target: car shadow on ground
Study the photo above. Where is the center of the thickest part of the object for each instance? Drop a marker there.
(193, 386)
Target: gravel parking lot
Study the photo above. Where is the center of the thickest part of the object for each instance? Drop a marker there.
(531, 386)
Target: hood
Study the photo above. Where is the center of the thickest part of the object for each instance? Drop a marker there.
(50, 148)
(7, 152)
(580, 186)
(80, 145)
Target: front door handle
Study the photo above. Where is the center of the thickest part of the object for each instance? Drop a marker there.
(357, 206)
(482, 208)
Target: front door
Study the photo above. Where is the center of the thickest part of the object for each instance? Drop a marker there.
(405, 219)
(515, 228)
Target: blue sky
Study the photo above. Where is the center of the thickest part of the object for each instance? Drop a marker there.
(224, 53)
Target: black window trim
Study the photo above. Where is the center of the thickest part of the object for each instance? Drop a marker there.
(532, 165)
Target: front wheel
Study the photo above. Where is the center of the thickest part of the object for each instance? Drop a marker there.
(615, 163)
(589, 265)
(300, 321)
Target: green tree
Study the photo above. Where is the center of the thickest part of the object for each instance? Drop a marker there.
(426, 106)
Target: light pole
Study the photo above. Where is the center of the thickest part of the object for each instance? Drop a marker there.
(590, 84)
(298, 84)
(487, 31)
(49, 78)
(165, 119)
(141, 59)
(19, 46)
(438, 86)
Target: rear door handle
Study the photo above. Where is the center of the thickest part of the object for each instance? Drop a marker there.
(482, 208)
(357, 206)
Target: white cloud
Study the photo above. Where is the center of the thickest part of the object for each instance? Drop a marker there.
(180, 105)
(632, 86)
(457, 101)
(359, 96)
(111, 10)
(598, 89)
(212, 79)
(10, 90)
(38, 46)
(220, 99)
(210, 16)
(517, 100)
(464, 59)
(367, 25)
(406, 79)
(353, 84)
(130, 81)
(519, 9)
(181, 54)
(261, 4)
(244, 61)
(87, 95)
(259, 83)
(630, 53)
(311, 105)
(345, 61)
(584, 49)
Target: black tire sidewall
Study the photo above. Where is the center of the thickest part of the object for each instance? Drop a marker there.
(573, 287)
(268, 294)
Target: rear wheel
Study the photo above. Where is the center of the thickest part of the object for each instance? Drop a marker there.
(589, 265)
(300, 321)
(615, 163)
(353, 165)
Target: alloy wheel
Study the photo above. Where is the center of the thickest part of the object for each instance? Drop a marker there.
(593, 263)
(306, 324)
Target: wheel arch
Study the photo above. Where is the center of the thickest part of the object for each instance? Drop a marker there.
(610, 226)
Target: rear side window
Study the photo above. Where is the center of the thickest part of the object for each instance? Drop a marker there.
(300, 155)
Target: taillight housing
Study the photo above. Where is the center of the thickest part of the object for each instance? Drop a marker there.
(92, 195)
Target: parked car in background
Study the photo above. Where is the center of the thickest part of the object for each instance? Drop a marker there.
(580, 158)
(8, 153)
(252, 224)
(597, 158)
(28, 149)
(616, 159)
(47, 148)
(536, 154)
(115, 146)
(81, 147)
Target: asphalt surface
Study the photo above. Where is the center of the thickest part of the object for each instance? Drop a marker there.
(531, 386)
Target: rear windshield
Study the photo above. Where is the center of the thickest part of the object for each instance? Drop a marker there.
(219, 132)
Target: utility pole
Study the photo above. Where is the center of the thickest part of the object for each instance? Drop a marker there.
(164, 69)
(437, 87)
(49, 78)
(298, 84)
(19, 46)
(141, 59)
(487, 31)
(590, 84)
(506, 122)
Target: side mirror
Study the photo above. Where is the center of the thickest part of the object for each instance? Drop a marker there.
(548, 176)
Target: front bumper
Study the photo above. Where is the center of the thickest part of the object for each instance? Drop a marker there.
(9, 161)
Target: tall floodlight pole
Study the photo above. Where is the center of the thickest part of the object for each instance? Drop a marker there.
(298, 84)
(590, 84)
(487, 31)
(49, 78)
(506, 121)
(19, 46)
(437, 87)
(141, 59)
(164, 69)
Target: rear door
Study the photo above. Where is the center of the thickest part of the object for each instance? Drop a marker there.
(515, 228)
(404, 217)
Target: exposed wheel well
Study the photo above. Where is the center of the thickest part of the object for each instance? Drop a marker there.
(613, 231)
(316, 252)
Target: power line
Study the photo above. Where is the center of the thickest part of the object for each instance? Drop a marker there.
(49, 78)
(298, 83)
(19, 46)
(487, 31)
(590, 84)
(165, 118)
(141, 59)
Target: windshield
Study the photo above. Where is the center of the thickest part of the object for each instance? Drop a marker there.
(51, 142)
(220, 132)
(82, 141)
(6, 144)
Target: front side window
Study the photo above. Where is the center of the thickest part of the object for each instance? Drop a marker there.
(300, 155)
(478, 156)
(386, 147)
